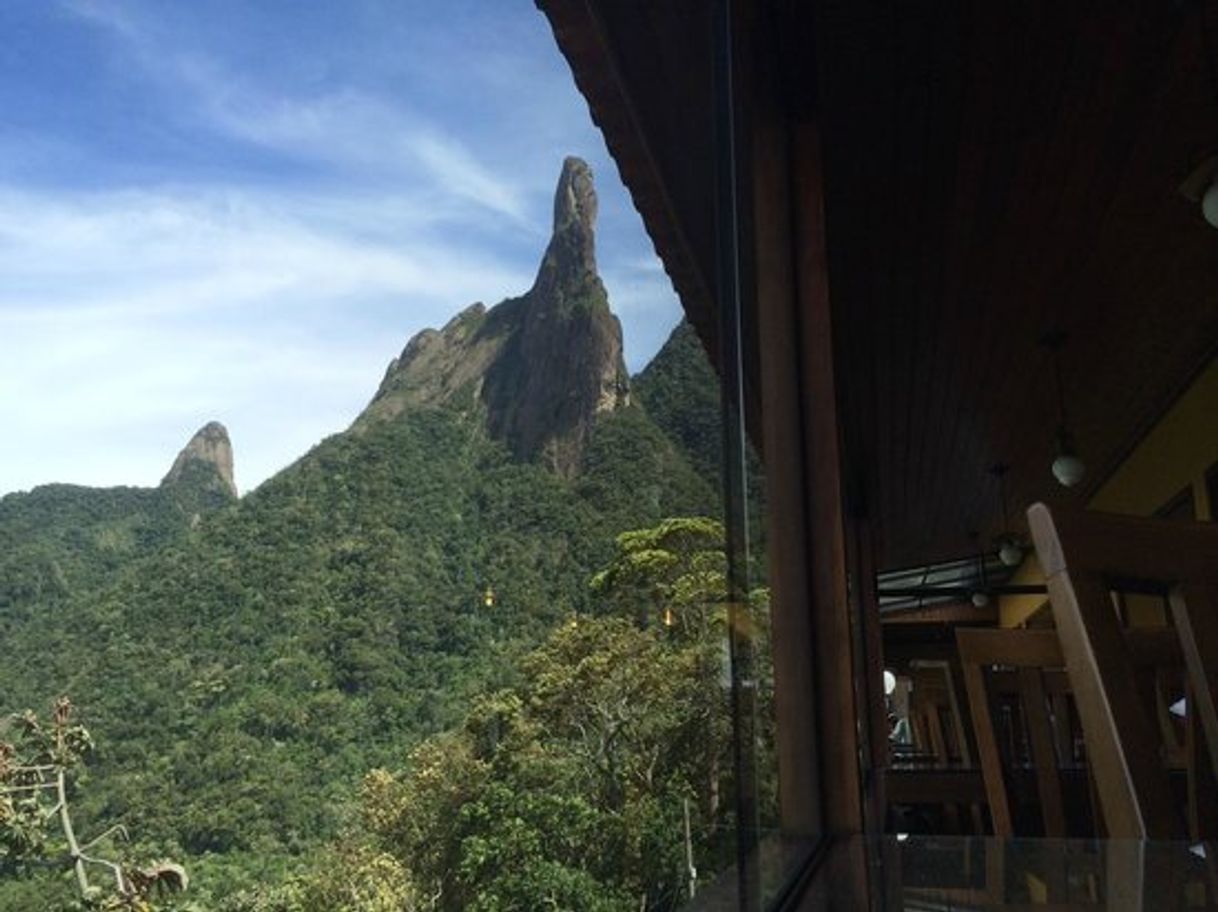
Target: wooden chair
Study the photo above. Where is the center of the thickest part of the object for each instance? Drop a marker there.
(935, 715)
(1030, 653)
(1027, 669)
(1085, 556)
(948, 778)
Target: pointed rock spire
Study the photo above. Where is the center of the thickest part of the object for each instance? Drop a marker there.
(567, 362)
(575, 198)
(569, 263)
(541, 367)
(210, 450)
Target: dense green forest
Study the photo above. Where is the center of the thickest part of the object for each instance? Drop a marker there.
(407, 597)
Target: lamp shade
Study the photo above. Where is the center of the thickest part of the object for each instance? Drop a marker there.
(1068, 469)
(1010, 553)
(1209, 204)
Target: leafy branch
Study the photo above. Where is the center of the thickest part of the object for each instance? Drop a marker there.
(36, 767)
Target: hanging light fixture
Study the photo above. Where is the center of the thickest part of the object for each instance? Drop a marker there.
(1201, 188)
(1010, 549)
(1209, 204)
(1209, 200)
(1068, 469)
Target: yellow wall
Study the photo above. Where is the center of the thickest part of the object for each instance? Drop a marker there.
(1014, 610)
(1175, 454)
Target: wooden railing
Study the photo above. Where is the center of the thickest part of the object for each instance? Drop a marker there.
(1085, 704)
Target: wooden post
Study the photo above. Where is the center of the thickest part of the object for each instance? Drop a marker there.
(1202, 788)
(1040, 733)
(869, 674)
(835, 671)
(1193, 608)
(987, 749)
(814, 667)
(791, 614)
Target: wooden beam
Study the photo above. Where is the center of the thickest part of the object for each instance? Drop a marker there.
(789, 542)
(869, 657)
(1194, 608)
(987, 749)
(948, 613)
(1202, 787)
(934, 786)
(1124, 547)
(1012, 648)
(815, 670)
(1044, 757)
(835, 671)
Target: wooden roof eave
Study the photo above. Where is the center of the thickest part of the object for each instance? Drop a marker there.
(581, 38)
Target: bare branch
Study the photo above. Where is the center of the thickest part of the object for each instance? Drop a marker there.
(117, 828)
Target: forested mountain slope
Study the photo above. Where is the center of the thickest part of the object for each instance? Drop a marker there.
(61, 539)
(242, 663)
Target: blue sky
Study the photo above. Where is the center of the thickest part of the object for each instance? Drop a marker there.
(242, 210)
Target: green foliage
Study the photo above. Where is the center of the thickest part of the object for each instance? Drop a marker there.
(680, 390)
(566, 791)
(59, 540)
(38, 768)
(245, 664)
(569, 789)
(246, 674)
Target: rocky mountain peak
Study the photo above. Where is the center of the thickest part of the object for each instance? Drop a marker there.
(539, 367)
(575, 209)
(208, 454)
(569, 264)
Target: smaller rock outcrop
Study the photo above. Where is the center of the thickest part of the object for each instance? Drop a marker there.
(440, 366)
(207, 458)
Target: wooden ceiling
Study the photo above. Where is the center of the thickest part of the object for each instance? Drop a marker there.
(992, 171)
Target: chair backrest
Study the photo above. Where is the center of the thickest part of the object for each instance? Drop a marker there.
(1085, 556)
(935, 714)
(1030, 653)
(1028, 666)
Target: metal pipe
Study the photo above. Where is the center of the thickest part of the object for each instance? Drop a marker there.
(961, 591)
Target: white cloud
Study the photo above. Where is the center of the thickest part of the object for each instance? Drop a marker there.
(354, 130)
(106, 13)
(348, 128)
(130, 317)
(150, 251)
(150, 313)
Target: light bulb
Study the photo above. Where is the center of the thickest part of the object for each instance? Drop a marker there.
(1209, 204)
(980, 599)
(1010, 553)
(890, 682)
(1068, 469)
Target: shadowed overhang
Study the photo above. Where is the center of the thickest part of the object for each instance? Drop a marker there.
(991, 171)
